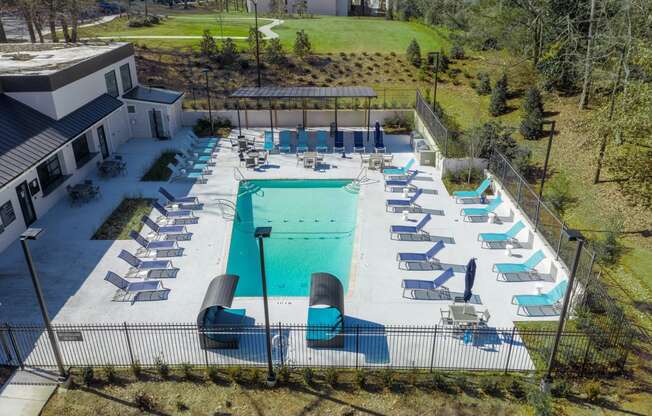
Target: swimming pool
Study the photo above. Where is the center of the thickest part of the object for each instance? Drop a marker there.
(313, 224)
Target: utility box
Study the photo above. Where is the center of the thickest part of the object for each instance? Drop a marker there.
(427, 158)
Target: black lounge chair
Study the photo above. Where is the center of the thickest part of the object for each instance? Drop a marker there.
(326, 312)
(217, 322)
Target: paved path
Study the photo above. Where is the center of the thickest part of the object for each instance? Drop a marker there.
(266, 30)
(26, 393)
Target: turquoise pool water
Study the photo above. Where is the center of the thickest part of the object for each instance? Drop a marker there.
(313, 223)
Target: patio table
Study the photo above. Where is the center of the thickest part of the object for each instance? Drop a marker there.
(464, 314)
(110, 167)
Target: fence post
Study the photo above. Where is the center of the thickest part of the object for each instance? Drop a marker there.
(280, 341)
(509, 352)
(15, 347)
(131, 352)
(586, 354)
(588, 277)
(432, 353)
(446, 146)
(357, 344)
(561, 236)
(518, 194)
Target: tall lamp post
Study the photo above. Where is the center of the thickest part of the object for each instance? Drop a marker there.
(258, 84)
(572, 235)
(434, 94)
(545, 169)
(261, 233)
(33, 234)
(208, 96)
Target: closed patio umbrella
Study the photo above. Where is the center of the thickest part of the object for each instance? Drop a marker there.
(376, 133)
(469, 279)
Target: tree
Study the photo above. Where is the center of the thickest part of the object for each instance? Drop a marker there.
(52, 16)
(484, 84)
(498, 104)
(413, 53)
(300, 7)
(251, 40)
(229, 52)
(207, 45)
(274, 53)
(302, 46)
(531, 125)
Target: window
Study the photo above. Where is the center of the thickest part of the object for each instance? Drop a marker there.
(7, 215)
(49, 174)
(81, 151)
(111, 84)
(131, 109)
(125, 76)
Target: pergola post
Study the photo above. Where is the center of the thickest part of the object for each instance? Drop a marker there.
(237, 105)
(271, 118)
(336, 128)
(368, 117)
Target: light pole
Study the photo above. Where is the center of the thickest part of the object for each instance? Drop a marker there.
(434, 95)
(208, 95)
(257, 42)
(33, 234)
(261, 233)
(572, 235)
(545, 170)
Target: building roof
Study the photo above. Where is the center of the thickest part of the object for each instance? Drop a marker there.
(28, 136)
(153, 95)
(304, 92)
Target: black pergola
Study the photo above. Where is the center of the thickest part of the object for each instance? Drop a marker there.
(275, 93)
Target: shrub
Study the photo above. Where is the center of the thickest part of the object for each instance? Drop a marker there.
(256, 376)
(360, 378)
(144, 401)
(387, 378)
(413, 377)
(213, 374)
(274, 53)
(284, 374)
(136, 369)
(413, 53)
(498, 104)
(229, 52)
(540, 402)
(331, 375)
(517, 389)
(308, 376)
(457, 51)
(302, 45)
(531, 127)
(608, 246)
(110, 374)
(235, 374)
(561, 388)
(88, 376)
(162, 368)
(491, 386)
(186, 370)
(558, 193)
(484, 84)
(181, 406)
(593, 390)
(207, 45)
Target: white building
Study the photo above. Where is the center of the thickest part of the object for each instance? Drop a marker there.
(62, 109)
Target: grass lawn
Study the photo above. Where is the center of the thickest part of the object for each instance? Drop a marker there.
(123, 219)
(159, 171)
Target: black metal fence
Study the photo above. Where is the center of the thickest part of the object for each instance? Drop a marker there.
(397, 347)
(432, 123)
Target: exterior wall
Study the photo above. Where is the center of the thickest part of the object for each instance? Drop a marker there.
(319, 7)
(61, 102)
(139, 123)
(69, 167)
(291, 118)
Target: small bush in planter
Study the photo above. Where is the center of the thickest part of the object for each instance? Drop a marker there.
(162, 368)
(308, 376)
(235, 374)
(517, 389)
(213, 374)
(388, 378)
(284, 374)
(457, 51)
(360, 378)
(110, 374)
(332, 377)
(88, 376)
(186, 370)
(491, 386)
(136, 369)
(144, 401)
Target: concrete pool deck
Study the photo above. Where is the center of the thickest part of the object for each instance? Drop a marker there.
(72, 267)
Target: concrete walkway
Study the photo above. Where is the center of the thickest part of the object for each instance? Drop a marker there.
(27, 392)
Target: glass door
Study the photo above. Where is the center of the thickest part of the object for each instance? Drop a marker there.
(26, 206)
(104, 148)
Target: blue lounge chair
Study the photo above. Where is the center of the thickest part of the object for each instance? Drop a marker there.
(284, 139)
(269, 141)
(528, 266)
(166, 232)
(151, 268)
(379, 145)
(552, 298)
(358, 142)
(136, 291)
(417, 230)
(183, 175)
(469, 213)
(411, 204)
(399, 171)
(461, 195)
(391, 184)
(507, 237)
(322, 141)
(191, 165)
(161, 248)
(203, 158)
(183, 216)
(302, 141)
(177, 199)
(414, 286)
(338, 142)
(405, 259)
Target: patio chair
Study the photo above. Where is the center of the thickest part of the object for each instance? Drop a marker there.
(322, 141)
(416, 231)
(302, 141)
(163, 248)
(484, 318)
(178, 199)
(150, 268)
(284, 139)
(391, 184)
(379, 145)
(413, 286)
(507, 237)
(462, 195)
(268, 144)
(528, 266)
(168, 215)
(196, 157)
(358, 142)
(446, 318)
(409, 204)
(399, 171)
(165, 232)
(137, 291)
(191, 166)
(219, 324)
(183, 175)
(325, 312)
(469, 213)
(552, 299)
(405, 259)
(338, 142)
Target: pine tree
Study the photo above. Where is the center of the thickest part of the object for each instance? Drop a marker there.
(413, 53)
(484, 84)
(207, 45)
(531, 127)
(498, 104)
(274, 53)
(251, 40)
(302, 46)
(229, 52)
